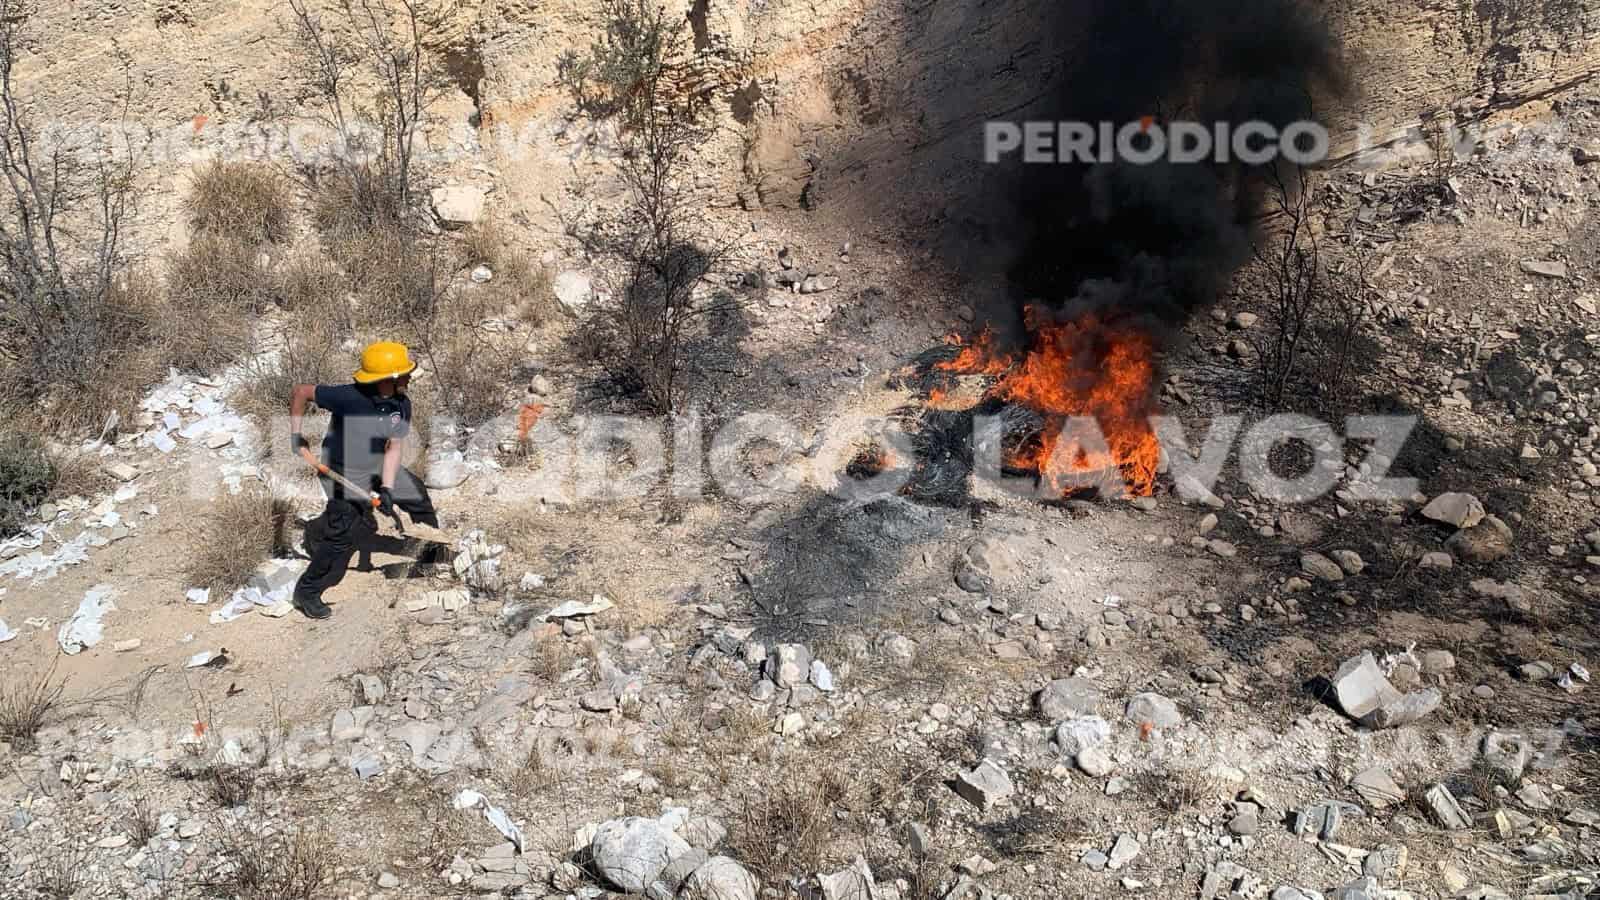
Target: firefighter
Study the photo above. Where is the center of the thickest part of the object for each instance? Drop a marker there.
(370, 420)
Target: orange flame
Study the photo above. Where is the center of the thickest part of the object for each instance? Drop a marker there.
(1083, 368)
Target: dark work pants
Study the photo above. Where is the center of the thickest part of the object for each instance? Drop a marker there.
(349, 521)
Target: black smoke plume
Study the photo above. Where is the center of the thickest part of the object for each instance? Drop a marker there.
(1156, 242)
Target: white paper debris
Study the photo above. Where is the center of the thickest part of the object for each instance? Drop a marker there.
(85, 629)
(164, 443)
(469, 799)
(1580, 672)
(532, 581)
(200, 659)
(201, 596)
(574, 608)
(6, 633)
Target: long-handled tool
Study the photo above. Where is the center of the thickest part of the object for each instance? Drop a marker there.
(356, 489)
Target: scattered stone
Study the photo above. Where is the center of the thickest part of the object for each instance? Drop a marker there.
(821, 677)
(457, 205)
(1096, 860)
(985, 785)
(1094, 762)
(1377, 787)
(630, 853)
(1246, 821)
(1208, 524)
(1533, 797)
(1320, 567)
(122, 472)
(128, 645)
(1437, 559)
(388, 881)
(1437, 662)
(1539, 670)
(918, 839)
(1387, 863)
(1350, 561)
(1067, 698)
(1154, 710)
(853, 883)
(1321, 820)
(1455, 509)
(720, 878)
(791, 724)
(1222, 548)
(1079, 733)
(1368, 697)
(789, 665)
(1446, 810)
(1488, 541)
(1545, 268)
(573, 291)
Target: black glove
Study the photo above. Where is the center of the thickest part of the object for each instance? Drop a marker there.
(386, 503)
(298, 442)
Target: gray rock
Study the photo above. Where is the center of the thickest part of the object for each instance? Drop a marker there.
(1508, 753)
(703, 832)
(1078, 734)
(1454, 509)
(1246, 821)
(1446, 810)
(854, 883)
(1066, 698)
(459, 204)
(599, 700)
(1364, 888)
(763, 691)
(1094, 762)
(370, 690)
(1545, 268)
(920, 842)
(345, 727)
(985, 785)
(1377, 787)
(1320, 567)
(675, 873)
(1289, 892)
(1096, 860)
(1123, 851)
(630, 853)
(573, 291)
(388, 881)
(1366, 695)
(1533, 797)
(789, 665)
(1350, 561)
(1387, 863)
(1488, 541)
(720, 878)
(1155, 710)
(1323, 818)
(898, 648)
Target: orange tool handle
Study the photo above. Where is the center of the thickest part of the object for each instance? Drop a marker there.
(324, 470)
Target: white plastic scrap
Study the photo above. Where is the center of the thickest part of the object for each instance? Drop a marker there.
(42, 567)
(246, 599)
(470, 799)
(85, 629)
(201, 596)
(6, 633)
(1580, 672)
(200, 659)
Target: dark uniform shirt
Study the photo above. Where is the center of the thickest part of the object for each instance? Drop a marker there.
(361, 425)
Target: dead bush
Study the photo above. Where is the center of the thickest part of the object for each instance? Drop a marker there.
(248, 202)
(311, 350)
(521, 286)
(62, 874)
(27, 476)
(66, 326)
(308, 282)
(356, 199)
(294, 864)
(237, 534)
(26, 704)
(1176, 790)
(789, 826)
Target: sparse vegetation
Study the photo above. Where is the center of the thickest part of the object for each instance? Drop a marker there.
(246, 202)
(661, 243)
(290, 864)
(240, 531)
(27, 703)
(27, 475)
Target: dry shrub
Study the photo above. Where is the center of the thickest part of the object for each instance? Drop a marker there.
(395, 277)
(27, 476)
(1176, 790)
(237, 534)
(312, 351)
(96, 356)
(520, 286)
(296, 864)
(248, 202)
(26, 704)
(357, 198)
(789, 827)
(309, 282)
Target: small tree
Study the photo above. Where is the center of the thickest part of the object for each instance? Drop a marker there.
(661, 242)
(66, 313)
(1289, 257)
(385, 42)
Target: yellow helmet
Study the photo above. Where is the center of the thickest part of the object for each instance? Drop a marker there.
(385, 359)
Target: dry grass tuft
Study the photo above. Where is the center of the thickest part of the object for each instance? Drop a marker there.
(297, 864)
(521, 286)
(248, 202)
(25, 705)
(1177, 790)
(28, 474)
(238, 533)
(790, 826)
(308, 282)
(311, 351)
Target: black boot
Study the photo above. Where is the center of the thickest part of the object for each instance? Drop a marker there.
(312, 606)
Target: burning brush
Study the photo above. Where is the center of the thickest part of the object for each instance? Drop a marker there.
(1071, 373)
